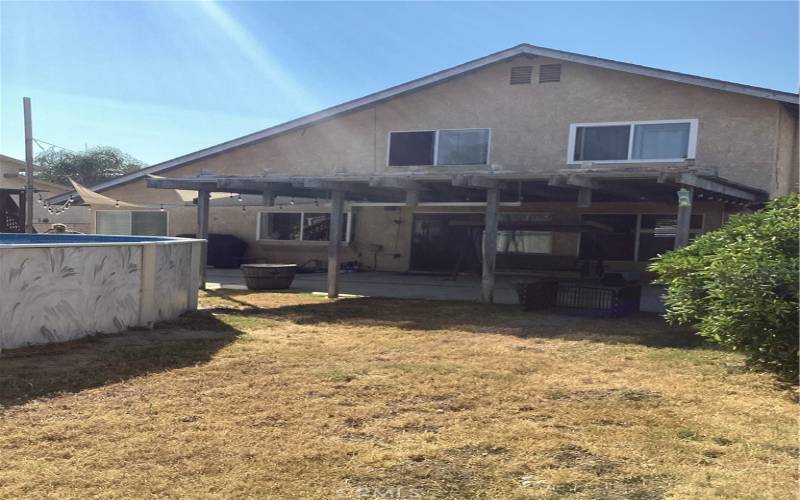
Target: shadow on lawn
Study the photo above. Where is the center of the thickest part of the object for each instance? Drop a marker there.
(643, 329)
(41, 371)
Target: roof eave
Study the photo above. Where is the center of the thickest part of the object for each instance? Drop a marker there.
(438, 77)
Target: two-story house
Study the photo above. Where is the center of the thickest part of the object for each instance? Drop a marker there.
(560, 160)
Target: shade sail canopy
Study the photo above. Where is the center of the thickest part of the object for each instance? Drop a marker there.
(91, 198)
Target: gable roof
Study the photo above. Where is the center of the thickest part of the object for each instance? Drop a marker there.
(440, 76)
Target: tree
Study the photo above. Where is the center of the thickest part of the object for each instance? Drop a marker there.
(739, 285)
(88, 168)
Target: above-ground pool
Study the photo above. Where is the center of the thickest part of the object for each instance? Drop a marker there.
(58, 287)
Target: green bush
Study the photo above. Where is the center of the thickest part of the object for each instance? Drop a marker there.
(739, 285)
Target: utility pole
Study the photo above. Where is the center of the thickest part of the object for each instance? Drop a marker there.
(26, 105)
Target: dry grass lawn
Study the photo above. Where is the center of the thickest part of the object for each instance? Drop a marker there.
(292, 396)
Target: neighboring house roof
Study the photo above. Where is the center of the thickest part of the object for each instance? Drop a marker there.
(438, 77)
(17, 180)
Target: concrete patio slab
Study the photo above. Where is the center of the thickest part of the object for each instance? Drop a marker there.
(465, 288)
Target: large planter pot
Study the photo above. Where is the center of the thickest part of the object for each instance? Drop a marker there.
(268, 276)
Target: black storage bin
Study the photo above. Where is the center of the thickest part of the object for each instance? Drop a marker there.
(535, 295)
(224, 250)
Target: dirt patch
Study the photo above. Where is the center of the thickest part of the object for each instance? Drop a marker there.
(421, 477)
(621, 394)
(575, 457)
(628, 488)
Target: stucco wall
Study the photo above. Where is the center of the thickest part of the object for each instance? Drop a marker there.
(391, 228)
(530, 125)
(749, 140)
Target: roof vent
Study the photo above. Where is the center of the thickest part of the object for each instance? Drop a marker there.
(521, 75)
(549, 73)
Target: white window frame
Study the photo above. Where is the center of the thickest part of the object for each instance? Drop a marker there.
(348, 226)
(130, 218)
(436, 147)
(691, 150)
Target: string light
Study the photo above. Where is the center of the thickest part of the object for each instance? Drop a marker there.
(161, 209)
(116, 203)
(244, 208)
(291, 200)
(239, 198)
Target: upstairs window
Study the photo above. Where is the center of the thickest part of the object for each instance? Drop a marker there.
(411, 148)
(633, 142)
(439, 147)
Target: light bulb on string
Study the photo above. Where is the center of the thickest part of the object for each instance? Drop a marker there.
(239, 198)
(161, 209)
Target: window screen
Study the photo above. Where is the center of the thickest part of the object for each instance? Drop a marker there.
(411, 148)
(113, 222)
(524, 242)
(128, 222)
(660, 141)
(316, 227)
(149, 223)
(602, 143)
(278, 226)
(463, 147)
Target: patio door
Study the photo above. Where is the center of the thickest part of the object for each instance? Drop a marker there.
(446, 242)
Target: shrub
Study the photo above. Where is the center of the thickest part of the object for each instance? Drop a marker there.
(739, 285)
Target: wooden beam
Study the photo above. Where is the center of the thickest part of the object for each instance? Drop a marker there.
(203, 198)
(337, 211)
(558, 181)
(268, 198)
(412, 198)
(489, 246)
(188, 184)
(582, 182)
(716, 187)
(477, 181)
(584, 197)
(396, 183)
(684, 217)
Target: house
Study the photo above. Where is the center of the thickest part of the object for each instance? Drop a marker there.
(574, 161)
(12, 192)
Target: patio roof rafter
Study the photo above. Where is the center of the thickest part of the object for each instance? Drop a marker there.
(608, 183)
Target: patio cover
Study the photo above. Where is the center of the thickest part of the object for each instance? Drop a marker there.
(489, 186)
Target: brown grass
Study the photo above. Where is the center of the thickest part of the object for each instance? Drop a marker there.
(293, 396)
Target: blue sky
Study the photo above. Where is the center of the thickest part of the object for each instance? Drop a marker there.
(160, 79)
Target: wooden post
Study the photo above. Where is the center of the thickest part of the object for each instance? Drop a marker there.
(268, 198)
(21, 211)
(685, 198)
(412, 198)
(489, 246)
(26, 108)
(584, 197)
(203, 198)
(337, 211)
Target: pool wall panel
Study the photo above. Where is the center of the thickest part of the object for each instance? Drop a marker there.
(60, 293)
